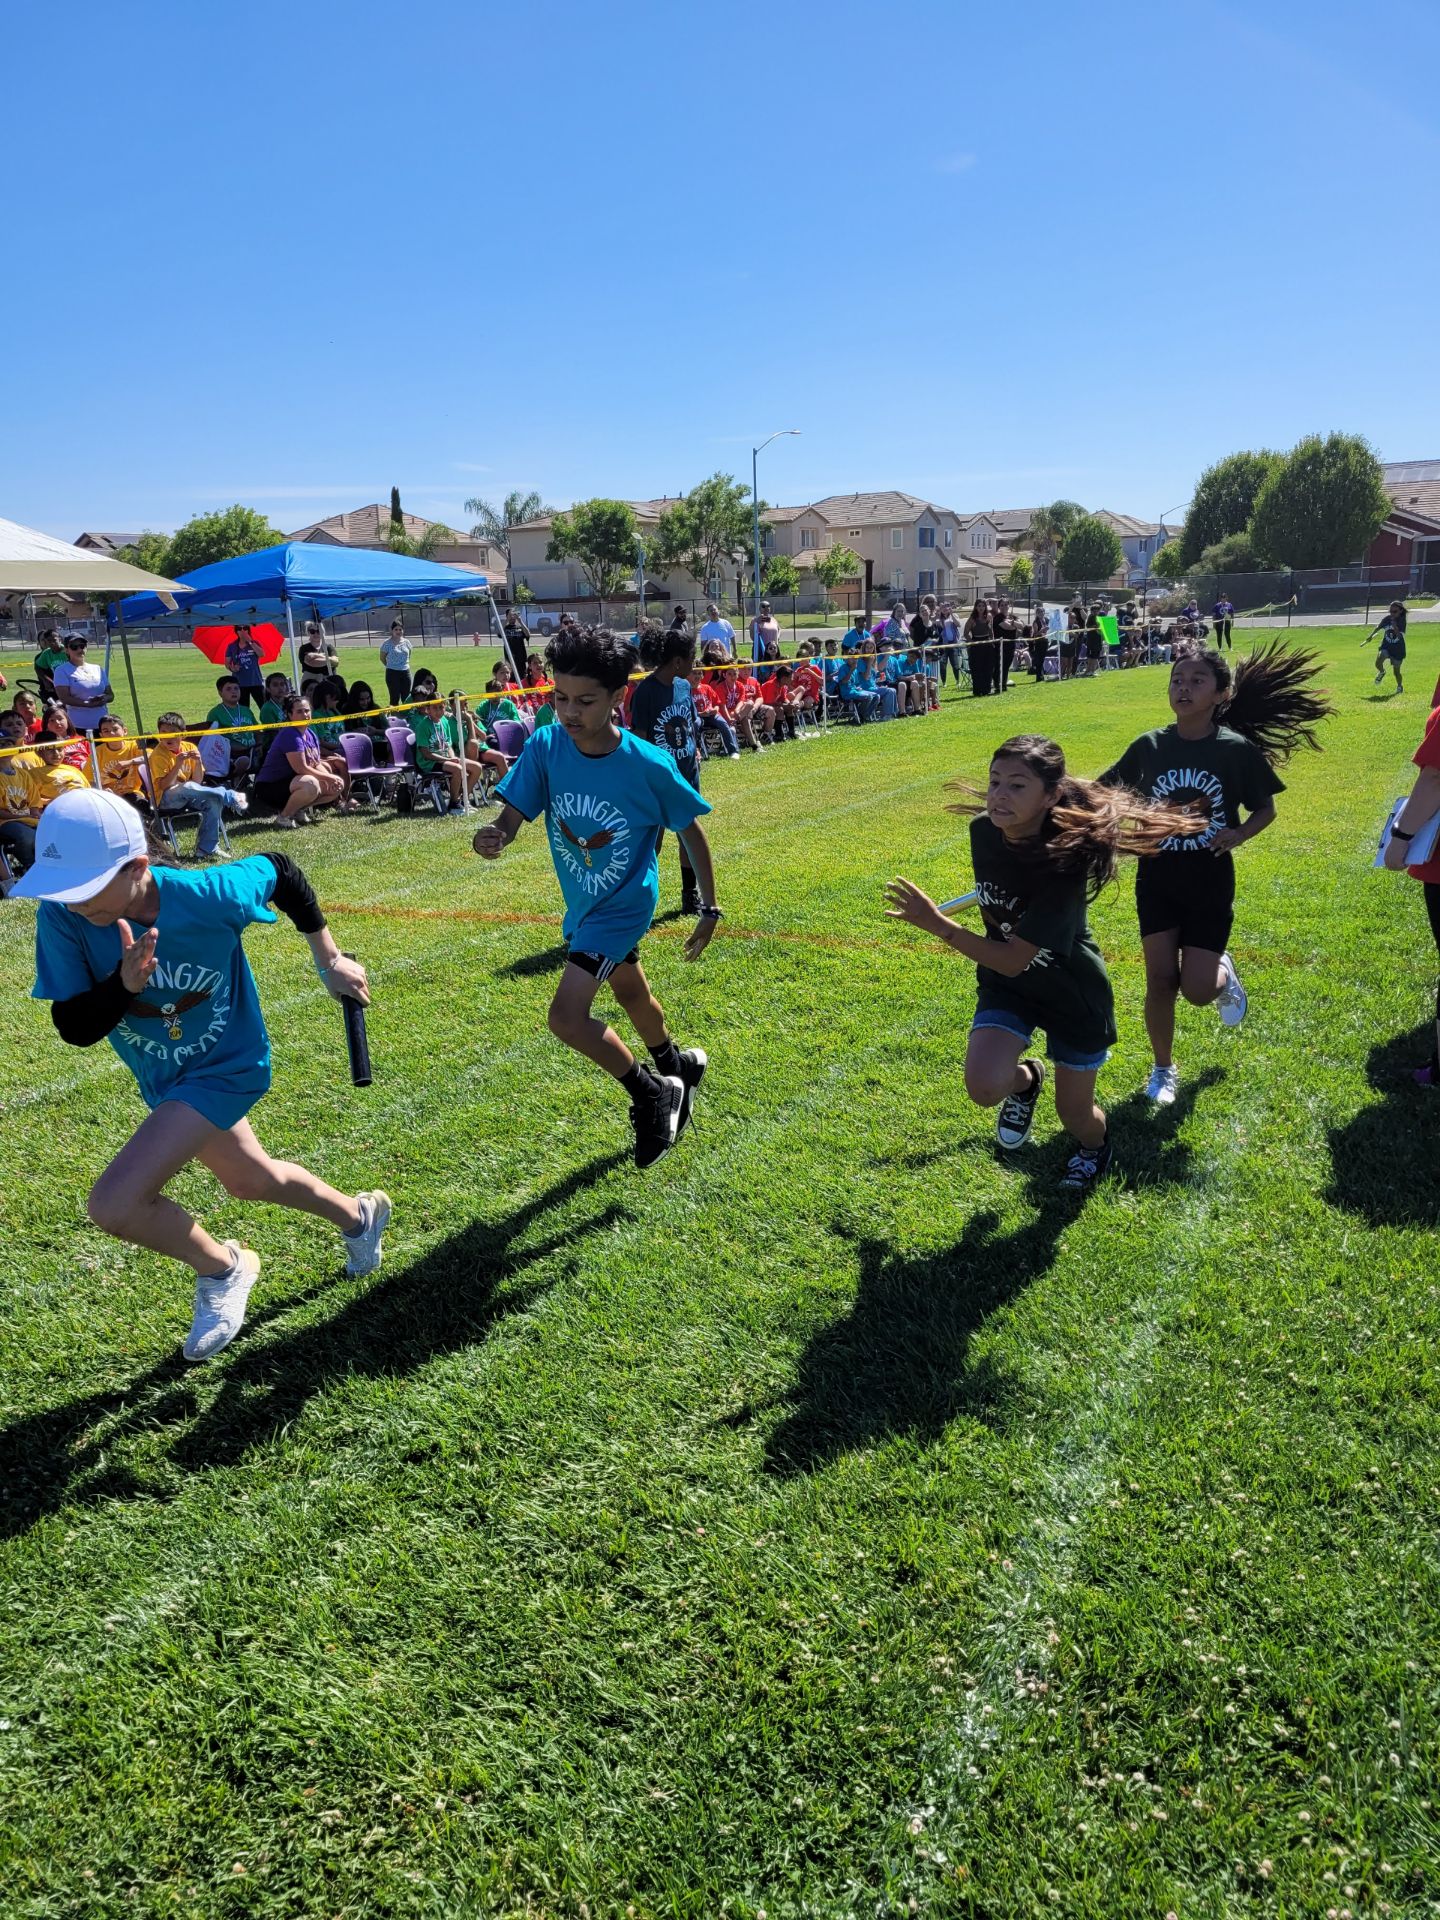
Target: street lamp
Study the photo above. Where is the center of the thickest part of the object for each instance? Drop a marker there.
(755, 452)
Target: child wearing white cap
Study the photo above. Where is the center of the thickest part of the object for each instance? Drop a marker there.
(151, 959)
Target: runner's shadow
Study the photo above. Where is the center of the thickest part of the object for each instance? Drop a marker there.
(899, 1363)
(548, 960)
(448, 1299)
(1382, 1161)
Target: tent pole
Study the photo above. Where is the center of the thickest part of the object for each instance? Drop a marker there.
(130, 673)
(294, 655)
(464, 752)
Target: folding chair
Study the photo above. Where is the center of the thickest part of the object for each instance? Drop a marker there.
(360, 759)
(165, 820)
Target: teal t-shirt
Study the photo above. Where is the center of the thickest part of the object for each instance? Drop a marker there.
(196, 1033)
(434, 740)
(604, 814)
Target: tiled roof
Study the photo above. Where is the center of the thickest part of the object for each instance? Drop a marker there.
(873, 509)
(642, 509)
(1125, 524)
(361, 527)
(110, 543)
(1415, 497)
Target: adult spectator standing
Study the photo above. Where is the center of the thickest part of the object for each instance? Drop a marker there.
(242, 657)
(1039, 640)
(517, 642)
(925, 633)
(1422, 805)
(765, 634)
(82, 686)
(395, 658)
(1007, 632)
(980, 645)
(50, 656)
(1222, 616)
(717, 628)
(949, 642)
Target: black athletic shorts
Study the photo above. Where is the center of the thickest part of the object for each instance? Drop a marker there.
(598, 965)
(1189, 894)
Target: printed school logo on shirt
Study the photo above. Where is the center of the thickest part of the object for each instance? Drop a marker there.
(173, 992)
(1203, 792)
(590, 838)
(999, 910)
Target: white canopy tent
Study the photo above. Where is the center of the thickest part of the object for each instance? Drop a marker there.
(32, 562)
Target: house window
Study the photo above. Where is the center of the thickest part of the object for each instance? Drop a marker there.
(767, 538)
(809, 538)
(853, 534)
(897, 580)
(925, 580)
(926, 537)
(944, 580)
(949, 536)
(897, 536)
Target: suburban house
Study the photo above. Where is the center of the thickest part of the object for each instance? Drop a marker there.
(563, 582)
(915, 546)
(107, 543)
(1140, 541)
(368, 526)
(1406, 550)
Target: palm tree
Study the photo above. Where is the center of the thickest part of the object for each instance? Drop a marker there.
(1046, 533)
(423, 546)
(495, 527)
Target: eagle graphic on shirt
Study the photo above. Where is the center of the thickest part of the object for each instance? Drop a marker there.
(588, 847)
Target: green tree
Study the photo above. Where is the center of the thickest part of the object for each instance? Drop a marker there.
(1019, 576)
(1091, 550)
(834, 564)
(1224, 500)
(494, 524)
(601, 536)
(1048, 527)
(1236, 553)
(218, 536)
(397, 517)
(781, 579)
(1167, 564)
(418, 546)
(1323, 505)
(151, 551)
(706, 528)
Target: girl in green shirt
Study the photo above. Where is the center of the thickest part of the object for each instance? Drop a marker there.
(1043, 845)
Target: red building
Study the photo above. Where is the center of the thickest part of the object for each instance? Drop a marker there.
(1406, 551)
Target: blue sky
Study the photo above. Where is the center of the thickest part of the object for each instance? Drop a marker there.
(989, 255)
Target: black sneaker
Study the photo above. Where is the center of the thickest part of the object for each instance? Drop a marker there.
(657, 1121)
(693, 1062)
(1017, 1112)
(1086, 1167)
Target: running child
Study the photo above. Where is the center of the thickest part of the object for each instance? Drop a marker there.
(1391, 653)
(1231, 729)
(606, 796)
(151, 959)
(663, 712)
(1043, 844)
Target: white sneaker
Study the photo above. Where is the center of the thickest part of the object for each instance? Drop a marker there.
(220, 1304)
(1232, 999)
(364, 1250)
(237, 802)
(1162, 1086)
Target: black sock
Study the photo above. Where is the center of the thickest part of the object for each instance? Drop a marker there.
(640, 1083)
(666, 1057)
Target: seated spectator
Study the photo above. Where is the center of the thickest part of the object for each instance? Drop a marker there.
(926, 664)
(499, 705)
(176, 775)
(293, 775)
(536, 676)
(17, 828)
(328, 726)
(272, 713)
(1021, 662)
(50, 779)
(775, 695)
(809, 682)
(235, 718)
(360, 708)
(121, 762)
(55, 725)
(710, 709)
(438, 752)
(893, 670)
(715, 653)
(24, 705)
(856, 689)
(749, 712)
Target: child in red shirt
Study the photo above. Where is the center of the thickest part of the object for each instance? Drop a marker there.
(1423, 804)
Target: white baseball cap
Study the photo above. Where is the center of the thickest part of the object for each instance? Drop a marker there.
(83, 840)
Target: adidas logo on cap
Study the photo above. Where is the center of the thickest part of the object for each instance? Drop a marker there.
(52, 852)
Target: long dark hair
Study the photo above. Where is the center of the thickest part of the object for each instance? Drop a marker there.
(1089, 827)
(1269, 697)
(660, 645)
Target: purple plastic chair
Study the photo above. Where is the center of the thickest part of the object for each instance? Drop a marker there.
(510, 738)
(360, 758)
(402, 746)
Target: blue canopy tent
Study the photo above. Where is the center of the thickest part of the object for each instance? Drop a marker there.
(317, 579)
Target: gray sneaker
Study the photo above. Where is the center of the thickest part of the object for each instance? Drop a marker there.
(1232, 1000)
(365, 1250)
(220, 1300)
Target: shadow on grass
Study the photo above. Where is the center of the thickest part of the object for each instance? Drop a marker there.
(448, 1299)
(1382, 1164)
(899, 1361)
(547, 960)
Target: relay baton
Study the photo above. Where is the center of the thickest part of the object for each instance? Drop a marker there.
(357, 1041)
(963, 900)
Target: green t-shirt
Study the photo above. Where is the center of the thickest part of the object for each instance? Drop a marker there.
(328, 731)
(1065, 990)
(498, 707)
(433, 740)
(271, 715)
(1217, 776)
(48, 659)
(236, 721)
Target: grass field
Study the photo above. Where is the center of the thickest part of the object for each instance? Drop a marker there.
(835, 1521)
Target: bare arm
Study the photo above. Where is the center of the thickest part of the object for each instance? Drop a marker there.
(1007, 957)
(1423, 803)
(491, 841)
(1255, 823)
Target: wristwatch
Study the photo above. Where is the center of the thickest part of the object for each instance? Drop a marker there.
(709, 913)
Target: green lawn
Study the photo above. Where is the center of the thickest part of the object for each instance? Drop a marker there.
(833, 1522)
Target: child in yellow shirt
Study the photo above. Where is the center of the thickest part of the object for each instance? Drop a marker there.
(120, 760)
(178, 775)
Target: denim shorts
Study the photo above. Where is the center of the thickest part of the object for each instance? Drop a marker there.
(1075, 1058)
